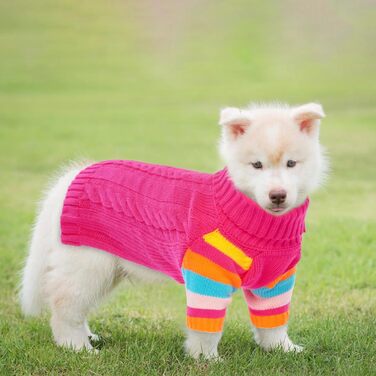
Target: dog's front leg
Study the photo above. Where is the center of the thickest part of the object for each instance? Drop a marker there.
(269, 312)
(202, 343)
(209, 289)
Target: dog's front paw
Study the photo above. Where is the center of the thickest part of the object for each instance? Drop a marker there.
(275, 338)
(196, 350)
(286, 345)
(201, 344)
(289, 346)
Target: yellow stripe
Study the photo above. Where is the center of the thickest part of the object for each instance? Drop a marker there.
(218, 241)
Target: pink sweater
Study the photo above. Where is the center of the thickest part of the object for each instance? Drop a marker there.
(195, 227)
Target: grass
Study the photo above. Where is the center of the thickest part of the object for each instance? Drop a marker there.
(145, 81)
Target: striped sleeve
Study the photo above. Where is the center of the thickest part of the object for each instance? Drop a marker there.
(269, 306)
(211, 273)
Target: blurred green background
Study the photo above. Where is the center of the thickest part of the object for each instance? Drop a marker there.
(145, 80)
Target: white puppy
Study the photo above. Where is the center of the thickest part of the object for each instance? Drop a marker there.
(273, 156)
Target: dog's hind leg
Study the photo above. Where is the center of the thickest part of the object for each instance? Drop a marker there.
(77, 280)
(92, 336)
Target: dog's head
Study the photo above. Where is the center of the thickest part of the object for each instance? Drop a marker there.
(273, 153)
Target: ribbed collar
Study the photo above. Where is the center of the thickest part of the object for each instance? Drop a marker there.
(250, 226)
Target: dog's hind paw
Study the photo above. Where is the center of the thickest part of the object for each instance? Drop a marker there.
(94, 337)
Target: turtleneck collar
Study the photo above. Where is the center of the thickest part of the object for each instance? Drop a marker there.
(252, 227)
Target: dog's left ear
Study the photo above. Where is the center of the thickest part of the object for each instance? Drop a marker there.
(308, 117)
(234, 121)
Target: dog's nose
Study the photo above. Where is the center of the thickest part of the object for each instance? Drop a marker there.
(277, 196)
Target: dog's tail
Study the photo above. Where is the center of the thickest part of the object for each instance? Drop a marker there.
(31, 296)
(44, 231)
(46, 235)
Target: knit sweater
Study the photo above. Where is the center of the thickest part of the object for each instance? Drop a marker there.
(195, 227)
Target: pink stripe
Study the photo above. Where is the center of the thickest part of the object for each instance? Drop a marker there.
(207, 313)
(270, 312)
(211, 253)
(206, 302)
(257, 303)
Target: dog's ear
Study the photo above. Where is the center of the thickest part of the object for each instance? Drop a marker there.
(308, 117)
(234, 121)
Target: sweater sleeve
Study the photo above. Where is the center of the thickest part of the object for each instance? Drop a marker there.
(210, 281)
(269, 305)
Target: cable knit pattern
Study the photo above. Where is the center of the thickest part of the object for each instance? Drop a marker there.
(195, 227)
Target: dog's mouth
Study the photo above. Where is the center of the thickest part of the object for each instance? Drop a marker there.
(277, 209)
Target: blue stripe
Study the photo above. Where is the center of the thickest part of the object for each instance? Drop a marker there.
(201, 285)
(278, 289)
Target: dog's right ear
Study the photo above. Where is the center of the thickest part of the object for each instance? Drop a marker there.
(234, 121)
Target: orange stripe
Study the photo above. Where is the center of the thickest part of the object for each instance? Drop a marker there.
(207, 268)
(270, 321)
(282, 277)
(204, 324)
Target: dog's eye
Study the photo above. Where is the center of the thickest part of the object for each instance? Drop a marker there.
(291, 163)
(257, 164)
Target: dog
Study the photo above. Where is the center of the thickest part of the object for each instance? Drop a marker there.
(238, 228)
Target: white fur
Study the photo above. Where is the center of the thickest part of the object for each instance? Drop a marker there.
(72, 282)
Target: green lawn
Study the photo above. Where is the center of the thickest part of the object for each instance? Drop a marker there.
(145, 80)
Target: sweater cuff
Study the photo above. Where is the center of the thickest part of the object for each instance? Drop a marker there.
(270, 318)
(205, 324)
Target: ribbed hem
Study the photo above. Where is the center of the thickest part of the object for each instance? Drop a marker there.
(69, 220)
(204, 324)
(246, 222)
(268, 322)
